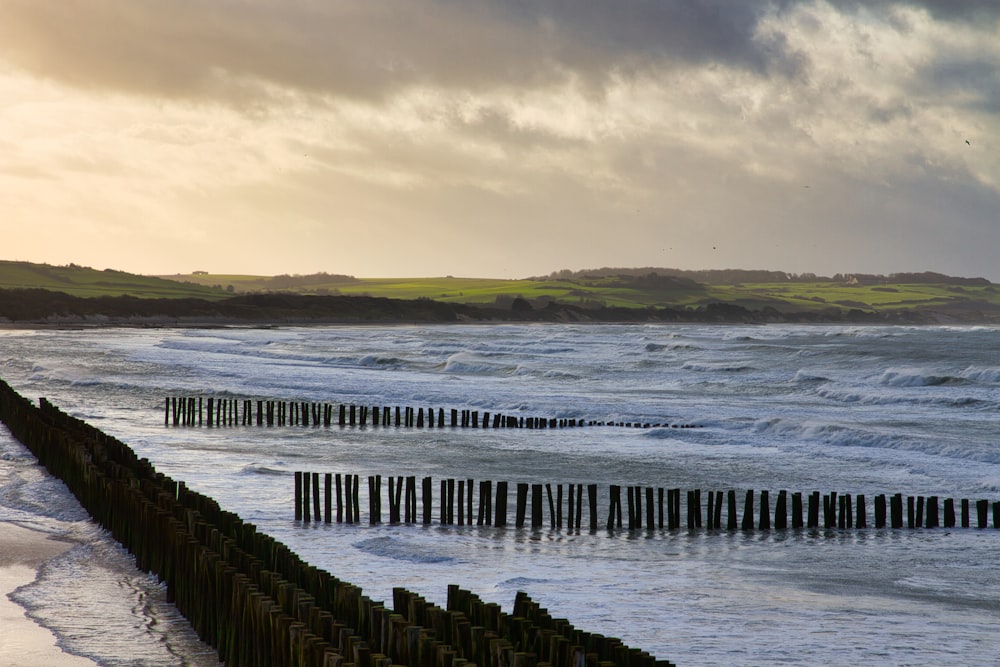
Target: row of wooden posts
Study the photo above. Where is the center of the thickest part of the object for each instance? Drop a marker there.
(257, 602)
(649, 508)
(218, 412)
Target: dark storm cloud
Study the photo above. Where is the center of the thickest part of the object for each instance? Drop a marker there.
(365, 49)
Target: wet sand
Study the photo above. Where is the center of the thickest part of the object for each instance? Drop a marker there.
(24, 643)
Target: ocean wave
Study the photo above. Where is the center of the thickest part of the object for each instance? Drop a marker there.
(375, 361)
(916, 377)
(804, 376)
(259, 469)
(863, 397)
(707, 367)
(467, 363)
(841, 435)
(982, 375)
(390, 547)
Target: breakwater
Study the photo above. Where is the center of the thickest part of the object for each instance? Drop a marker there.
(257, 602)
(219, 412)
(338, 497)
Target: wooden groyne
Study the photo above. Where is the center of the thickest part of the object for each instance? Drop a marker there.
(257, 602)
(337, 497)
(219, 412)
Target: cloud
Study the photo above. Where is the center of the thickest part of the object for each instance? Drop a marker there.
(354, 48)
(590, 127)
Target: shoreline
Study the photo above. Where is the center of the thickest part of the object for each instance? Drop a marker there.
(23, 642)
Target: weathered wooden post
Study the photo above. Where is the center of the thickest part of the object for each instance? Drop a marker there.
(328, 495)
(896, 510)
(982, 509)
(781, 511)
(732, 520)
(349, 499)
(305, 497)
(374, 499)
(426, 499)
(340, 499)
(501, 504)
(797, 510)
(615, 507)
(522, 503)
(765, 511)
(485, 508)
(747, 523)
(592, 504)
(813, 516)
(880, 511)
(650, 523)
(965, 513)
(949, 512)
(933, 521)
(556, 517)
(316, 498)
(298, 495)
(536, 505)
(861, 520)
(411, 499)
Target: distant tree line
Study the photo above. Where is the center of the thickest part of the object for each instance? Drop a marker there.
(649, 275)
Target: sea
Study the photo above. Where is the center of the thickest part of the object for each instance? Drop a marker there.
(847, 409)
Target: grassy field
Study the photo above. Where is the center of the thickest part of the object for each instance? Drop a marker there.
(589, 291)
(616, 291)
(86, 282)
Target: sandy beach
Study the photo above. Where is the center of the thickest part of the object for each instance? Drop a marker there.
(23, 643)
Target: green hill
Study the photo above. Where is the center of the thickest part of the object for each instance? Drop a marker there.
(598, 294)
(83, 281)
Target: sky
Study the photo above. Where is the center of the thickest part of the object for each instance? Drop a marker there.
(501, 138)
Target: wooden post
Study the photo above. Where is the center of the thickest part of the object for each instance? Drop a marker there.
(982, 509)
(933, 521)
(813, 517)
(592, 503)
(949, 512)
(731, 518)
(570, 509)
(374, 499)
(880, 510)
(316, 498)
(349, 499)
(485, 508)
(861, 520)
(965, 513)
(501, 504)
(426, 498)
(410, 515)
(615, 507)
(298, 495)
(781, 511)
(797, 510)
(328, 488)
(522, 503)
(911, 514)
(747, 523)
(305, 497)
(921, 502)
(896, 510)
(340, 500)
(649, 508)
(536, 505)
